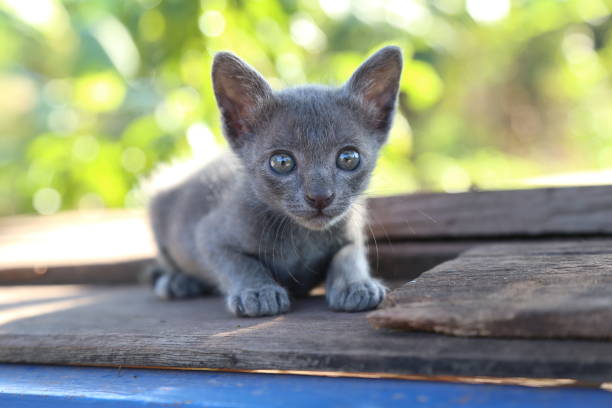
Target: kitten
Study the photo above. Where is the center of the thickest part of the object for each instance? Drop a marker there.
(282, 212)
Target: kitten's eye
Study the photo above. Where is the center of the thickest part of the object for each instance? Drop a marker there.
(282, 163)
(348, 159)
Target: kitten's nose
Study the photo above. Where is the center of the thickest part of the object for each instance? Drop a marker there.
(320, 200)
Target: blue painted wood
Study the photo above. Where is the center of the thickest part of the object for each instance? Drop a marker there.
(24, 386)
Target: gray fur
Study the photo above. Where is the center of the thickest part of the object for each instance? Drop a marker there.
(237, 225)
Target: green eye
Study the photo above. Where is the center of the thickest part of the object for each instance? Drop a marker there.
(282, 163)
(348, 159)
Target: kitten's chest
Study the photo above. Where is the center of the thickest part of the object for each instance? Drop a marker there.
(300, 261)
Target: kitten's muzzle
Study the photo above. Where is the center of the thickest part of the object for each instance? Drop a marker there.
(319, 201)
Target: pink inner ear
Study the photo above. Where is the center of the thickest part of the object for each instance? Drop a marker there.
(239, 90)
(378, 93)
(376, 83)
(235, 115)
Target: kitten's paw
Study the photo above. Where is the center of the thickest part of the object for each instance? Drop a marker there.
(356, 296)
(267, 300)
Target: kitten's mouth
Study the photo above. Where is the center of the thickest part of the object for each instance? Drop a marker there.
(318, 220)
(320, 215)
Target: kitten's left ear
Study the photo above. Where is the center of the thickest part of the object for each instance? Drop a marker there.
(240, 92)
(375, 85)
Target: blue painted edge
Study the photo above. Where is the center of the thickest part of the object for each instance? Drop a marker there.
(62, 386)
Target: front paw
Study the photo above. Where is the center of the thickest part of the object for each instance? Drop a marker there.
(356, 296)
(266, 300)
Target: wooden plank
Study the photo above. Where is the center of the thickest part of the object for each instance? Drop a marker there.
(515, 213)
(128, 326)
(111, 246)
(74, 247)
(114, 247)
(93, 272)
(557, 289)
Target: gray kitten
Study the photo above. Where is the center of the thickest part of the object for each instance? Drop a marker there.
(282, 212)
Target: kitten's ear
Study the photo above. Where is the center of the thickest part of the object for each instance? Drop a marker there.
(240, 91)
(375, 85)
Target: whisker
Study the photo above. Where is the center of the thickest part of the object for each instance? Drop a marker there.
(427, 216)
(375, 246)
(262, 239)
(288, 271)
(278, 222)
(368, 215)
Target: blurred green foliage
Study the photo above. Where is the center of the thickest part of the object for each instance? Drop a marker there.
(93, 94)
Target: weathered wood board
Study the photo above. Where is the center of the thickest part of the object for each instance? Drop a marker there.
(113, 247)
(585, 211)
(74, 247)
(124, 326)
(539, 290)
(412, 232)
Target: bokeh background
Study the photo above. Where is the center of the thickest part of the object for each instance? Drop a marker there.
(495, 93)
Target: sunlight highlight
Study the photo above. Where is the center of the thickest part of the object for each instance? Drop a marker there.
(47, 201)
(35, 12)
(16, 294)
(488, 11)
(212, 23)
(578, 178)
(19, 313)
(307, 34)
(202, 142)
(259, 326)
(335, 8)
(118, 44)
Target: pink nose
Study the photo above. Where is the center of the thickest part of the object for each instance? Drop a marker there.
(319, 201)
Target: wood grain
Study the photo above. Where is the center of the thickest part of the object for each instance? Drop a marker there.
(127, 326)
(545, 290)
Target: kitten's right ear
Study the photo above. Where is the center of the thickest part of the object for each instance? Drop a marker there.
(239, 90)
(375, 85)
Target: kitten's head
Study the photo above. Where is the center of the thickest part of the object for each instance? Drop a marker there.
(308, 151)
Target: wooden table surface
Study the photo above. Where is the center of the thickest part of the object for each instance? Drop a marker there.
(127, 326)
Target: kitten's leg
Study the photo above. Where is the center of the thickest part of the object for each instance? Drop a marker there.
(248, 284)
(349, 286)
(250, 289)
(170, 283)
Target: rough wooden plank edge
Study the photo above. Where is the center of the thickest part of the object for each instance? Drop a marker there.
(396, 318)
